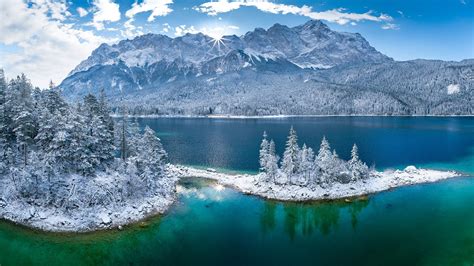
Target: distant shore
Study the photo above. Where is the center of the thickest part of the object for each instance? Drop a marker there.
(278, 116)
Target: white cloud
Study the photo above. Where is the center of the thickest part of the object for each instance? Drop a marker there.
(166, 28)
(183, 29)
(334, 15)
(53, 9)
(131, 30)
(45, 47)
(82, 12)
(390, 26)
(158, 8)
(105, 11)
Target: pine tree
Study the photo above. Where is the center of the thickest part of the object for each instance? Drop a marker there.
(291, 161)
(324, 161)
(359, 170)
(3, 122)
(272, 162)
(23, 122)
(153, 153)
(100, 134)
(324, 152)
(105, 112)
(307, 164)
(264, 153)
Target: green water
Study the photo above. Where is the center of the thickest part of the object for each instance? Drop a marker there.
(430, 224)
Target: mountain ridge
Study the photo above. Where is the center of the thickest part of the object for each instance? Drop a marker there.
(181, 70)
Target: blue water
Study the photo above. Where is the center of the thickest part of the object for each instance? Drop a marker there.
(383, 141)
(425, 224)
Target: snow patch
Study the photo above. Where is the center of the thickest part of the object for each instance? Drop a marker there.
(453, 88)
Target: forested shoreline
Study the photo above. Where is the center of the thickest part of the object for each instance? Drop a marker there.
(71, 158)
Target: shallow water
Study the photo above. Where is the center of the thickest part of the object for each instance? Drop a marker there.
(428, 224)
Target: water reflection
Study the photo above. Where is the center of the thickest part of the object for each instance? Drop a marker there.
(308, 218)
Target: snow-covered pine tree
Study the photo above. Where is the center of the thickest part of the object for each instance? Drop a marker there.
(307, 165)
(291, 161)
(324, 161)
(105, 112)
(337, 169)
(23, 121)
(101, 141)
(153, 152)
(100, 134)
(359, 169)
(272, 162)
(263, 154)
(150, 158)
(3, 122)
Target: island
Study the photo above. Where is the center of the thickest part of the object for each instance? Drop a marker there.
(303, 176)
(72, 168)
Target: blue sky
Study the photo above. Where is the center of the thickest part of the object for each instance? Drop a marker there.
(46, 38)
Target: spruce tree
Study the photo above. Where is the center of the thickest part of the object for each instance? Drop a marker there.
(264, 152)
(291, 161)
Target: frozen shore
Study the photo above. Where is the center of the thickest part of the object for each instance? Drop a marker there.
(379, 181)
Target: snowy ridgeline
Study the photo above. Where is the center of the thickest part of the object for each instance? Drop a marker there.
(301, 175)
(59, 167)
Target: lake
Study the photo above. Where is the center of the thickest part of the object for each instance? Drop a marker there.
(427, 224)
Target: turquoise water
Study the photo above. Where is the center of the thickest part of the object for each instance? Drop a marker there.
(427, 224)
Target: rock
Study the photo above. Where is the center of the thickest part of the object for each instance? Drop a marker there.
(410, 169)
(105, 219)
(42, 215)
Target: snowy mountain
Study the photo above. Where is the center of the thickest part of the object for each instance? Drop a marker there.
(307, 69)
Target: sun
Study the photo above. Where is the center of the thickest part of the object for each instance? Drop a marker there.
(218, 42)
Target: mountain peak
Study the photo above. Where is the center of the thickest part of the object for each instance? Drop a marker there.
(311, 45)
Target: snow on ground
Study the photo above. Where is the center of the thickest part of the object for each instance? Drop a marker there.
(83, 219)
(379, 181)
(103, 217)
(453, 88)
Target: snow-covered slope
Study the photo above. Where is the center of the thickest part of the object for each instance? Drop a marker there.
(311, 44)
(303, 70)
(150, 60)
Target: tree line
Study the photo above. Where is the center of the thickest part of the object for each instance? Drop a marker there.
(51, 150)
(302, 166)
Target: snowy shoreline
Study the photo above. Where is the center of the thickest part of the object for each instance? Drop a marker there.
(88, 219)
(278, 116)
(100, 218)
(379, 181)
